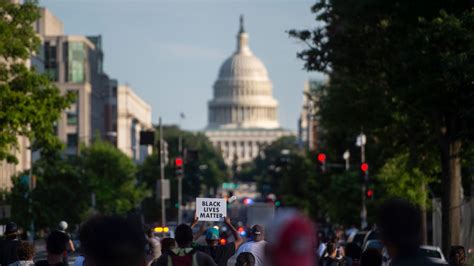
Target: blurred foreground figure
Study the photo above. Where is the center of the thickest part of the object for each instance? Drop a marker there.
(62, 227)
(400, 226)
(26, 253)
(220, 253)
(184, 254)
(245, 259)
(167, 244)
(291, 240)
(153, 247)
(9, 245)
(56, 246)
(256, 245)
(457, 256)
(330, 256)
(112, 241)
(371, 257)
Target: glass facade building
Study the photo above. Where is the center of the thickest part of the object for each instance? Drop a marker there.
(76, 62)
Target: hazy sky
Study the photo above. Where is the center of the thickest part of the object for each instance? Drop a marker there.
(170, 52)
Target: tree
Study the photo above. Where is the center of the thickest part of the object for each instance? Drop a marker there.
(30, 103)
(208, 169)
(61, 193)
(403, 71)
(111, 175)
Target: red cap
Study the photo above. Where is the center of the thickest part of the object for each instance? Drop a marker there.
(291, 240)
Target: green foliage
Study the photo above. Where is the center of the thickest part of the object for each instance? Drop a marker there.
(112, 177)
(402, 72)
(29, 103)
(400, 181)
(342, 197)
(65, 185)
(61, 193)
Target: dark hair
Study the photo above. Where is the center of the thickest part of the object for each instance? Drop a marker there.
(112, 240)
(167, 244)
(183, 235)
(245, 258)
(56, 243)
(330, 248)
(371, 257)
(353, 250)
(25, 251)
(399, 222)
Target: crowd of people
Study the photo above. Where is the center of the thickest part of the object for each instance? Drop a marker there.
(289, 239)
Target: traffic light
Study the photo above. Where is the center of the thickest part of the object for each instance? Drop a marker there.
(369, 193)
(364, 167)
(178, 162)
(322, 158)
(322, 161)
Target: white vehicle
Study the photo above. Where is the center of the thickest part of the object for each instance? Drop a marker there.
(434, 254)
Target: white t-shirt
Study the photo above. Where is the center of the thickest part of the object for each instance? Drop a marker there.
(256, 248)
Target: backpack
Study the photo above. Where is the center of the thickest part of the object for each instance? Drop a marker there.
(182, 257)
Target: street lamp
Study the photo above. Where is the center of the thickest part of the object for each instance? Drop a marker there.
(346, 157)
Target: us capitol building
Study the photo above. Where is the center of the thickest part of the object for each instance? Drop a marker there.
(243, 113)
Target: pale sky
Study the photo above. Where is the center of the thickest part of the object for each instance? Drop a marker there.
(170, 52)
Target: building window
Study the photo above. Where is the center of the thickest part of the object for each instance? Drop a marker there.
(72, 118)
(133, 139)
(71, 140)
(76, 62)
(50, 61)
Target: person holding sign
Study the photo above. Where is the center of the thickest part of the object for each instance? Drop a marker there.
(184, 254)
(220, 253)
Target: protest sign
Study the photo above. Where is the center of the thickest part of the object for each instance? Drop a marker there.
(211, 209)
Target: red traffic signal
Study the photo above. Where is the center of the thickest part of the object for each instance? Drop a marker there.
(178, 161)
(321, 157)
(370, 193)
(364, 167)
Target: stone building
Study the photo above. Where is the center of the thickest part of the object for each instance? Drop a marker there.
(243, 115)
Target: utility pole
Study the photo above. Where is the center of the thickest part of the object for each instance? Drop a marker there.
(361, 141)
(180, 182)
(162, 177)
(180, 176)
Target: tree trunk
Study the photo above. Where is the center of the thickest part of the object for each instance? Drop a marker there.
(451, 199)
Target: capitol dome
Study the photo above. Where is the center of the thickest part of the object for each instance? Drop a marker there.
(243, 92)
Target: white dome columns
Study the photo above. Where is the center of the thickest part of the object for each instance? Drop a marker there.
(242, 116)
(243, 113)
(243, 92)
